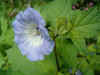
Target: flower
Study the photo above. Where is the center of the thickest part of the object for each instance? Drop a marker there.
(31, 36)
(78, 72)
(73, 7)
(91, 4)
(86, 9)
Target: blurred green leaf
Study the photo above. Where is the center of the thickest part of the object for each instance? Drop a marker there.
(56, 9)
(86, 68)
(21, 63)
(67, 53)
(2, 61)
(10, 72)
(86, 24)
(80, 44)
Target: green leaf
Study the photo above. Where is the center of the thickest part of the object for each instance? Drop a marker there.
(91, 48)
(7, 38)
(90, 17)
(86, 31)
(21, 63)
(80, 44)
(98, 40)
(4, 25)
(56, 9)
(86, 24)
(67, 53)
(89, 72)
(53, 9)
(0, 31)
(86, 68)
(10, 72)
(59, 73)
(86, 17)
(7, 33)
(2, 61)
(6, 41)
(95, 61)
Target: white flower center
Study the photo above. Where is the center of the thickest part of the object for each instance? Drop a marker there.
(35, 38)
(37, 41)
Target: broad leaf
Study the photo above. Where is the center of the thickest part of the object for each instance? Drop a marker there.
(67, 53)
(21, 63)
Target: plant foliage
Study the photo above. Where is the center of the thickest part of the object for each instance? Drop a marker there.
(75, 32)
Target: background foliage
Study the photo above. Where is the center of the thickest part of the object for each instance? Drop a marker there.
(76, 34)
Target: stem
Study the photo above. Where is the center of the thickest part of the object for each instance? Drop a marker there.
(56, 57)
(12, 3)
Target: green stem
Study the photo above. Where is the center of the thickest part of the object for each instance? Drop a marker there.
(56, 57)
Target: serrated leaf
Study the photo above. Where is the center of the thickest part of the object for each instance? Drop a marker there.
(80, 44)
(90, 17)
(87, 23)
(87, 31)
(86, 17)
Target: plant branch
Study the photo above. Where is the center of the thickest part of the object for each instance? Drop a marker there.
(56, 57)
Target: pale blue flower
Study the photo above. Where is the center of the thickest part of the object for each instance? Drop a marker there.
(78, 72)
(31, 35)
